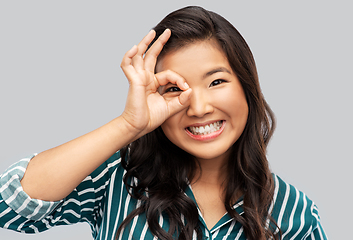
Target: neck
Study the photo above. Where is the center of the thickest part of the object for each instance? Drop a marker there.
(211, 171)
(211, 176)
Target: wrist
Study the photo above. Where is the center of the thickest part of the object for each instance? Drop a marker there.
(130, 132)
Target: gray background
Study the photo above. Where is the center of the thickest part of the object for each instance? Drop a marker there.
(60, 78)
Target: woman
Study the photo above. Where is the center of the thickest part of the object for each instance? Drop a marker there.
(193, 140)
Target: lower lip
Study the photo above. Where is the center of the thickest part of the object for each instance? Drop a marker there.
(205, 137)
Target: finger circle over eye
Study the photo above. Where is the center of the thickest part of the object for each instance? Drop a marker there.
(169, 76)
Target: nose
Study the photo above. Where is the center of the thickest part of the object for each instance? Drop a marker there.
(200, 105)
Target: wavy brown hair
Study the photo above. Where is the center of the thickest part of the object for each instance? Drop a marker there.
(162, 169)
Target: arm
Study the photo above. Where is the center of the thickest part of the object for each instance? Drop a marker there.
(53, 174)
(84, 203)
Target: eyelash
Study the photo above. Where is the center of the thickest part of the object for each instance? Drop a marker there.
(172, 89)
(176, 89)
(218, 81)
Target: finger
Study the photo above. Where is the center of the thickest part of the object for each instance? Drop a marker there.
(179, 103)
(127, 60)
(168, 76)
(155, 49)
(137, 60)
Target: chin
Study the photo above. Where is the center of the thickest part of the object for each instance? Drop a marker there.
(207, 153)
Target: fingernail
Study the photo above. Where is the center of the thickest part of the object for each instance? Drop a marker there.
(189, 95)
(186, 85)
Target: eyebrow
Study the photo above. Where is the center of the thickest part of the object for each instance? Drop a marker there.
(216, 70)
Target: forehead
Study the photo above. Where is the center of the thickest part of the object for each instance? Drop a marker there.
(198, 57)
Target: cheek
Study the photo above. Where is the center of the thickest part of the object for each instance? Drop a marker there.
(241, 110)
(233, 99)
(234, 103)
(240, 107)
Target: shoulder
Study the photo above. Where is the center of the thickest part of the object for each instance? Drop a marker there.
(294, 212)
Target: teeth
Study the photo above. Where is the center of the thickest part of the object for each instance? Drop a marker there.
(207, 129)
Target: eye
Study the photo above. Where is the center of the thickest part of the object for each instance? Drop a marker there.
(172, 89)
(217, 82)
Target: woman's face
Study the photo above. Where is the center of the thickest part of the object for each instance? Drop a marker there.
(218, 110)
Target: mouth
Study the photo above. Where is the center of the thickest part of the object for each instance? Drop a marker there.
(206, 132)
(206, 129)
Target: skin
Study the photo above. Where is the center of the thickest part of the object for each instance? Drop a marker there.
(216, 95)
(54, 173)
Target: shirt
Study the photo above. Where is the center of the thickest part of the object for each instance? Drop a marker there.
(103, 202)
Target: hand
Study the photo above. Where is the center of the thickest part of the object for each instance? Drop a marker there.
(146, 109)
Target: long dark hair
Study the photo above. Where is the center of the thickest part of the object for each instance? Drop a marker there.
(162, 169)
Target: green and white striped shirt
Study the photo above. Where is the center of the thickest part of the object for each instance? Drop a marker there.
(103, 202)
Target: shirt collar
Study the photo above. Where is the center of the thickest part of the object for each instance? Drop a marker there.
(238, 207)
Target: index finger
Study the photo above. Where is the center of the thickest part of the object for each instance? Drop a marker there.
(168, 76)
(155, 49)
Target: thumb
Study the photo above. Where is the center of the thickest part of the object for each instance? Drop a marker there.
(179, 103)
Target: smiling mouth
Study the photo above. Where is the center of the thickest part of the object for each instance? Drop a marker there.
(206, 129)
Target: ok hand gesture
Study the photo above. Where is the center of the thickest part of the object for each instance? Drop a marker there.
(146, 109)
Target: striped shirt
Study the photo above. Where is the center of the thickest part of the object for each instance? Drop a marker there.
(103, 202)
